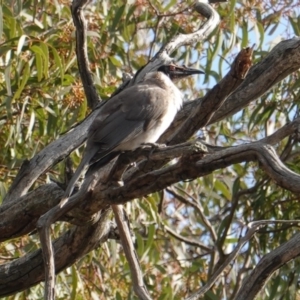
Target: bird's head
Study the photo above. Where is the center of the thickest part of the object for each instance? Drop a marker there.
(177, 72)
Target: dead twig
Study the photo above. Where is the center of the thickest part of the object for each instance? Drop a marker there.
(130, 253)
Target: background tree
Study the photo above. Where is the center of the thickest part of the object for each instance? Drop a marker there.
(186, 230)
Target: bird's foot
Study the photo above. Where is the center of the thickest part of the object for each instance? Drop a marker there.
(152, 147)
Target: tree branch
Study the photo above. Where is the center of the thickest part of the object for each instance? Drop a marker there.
(194, 203)
(29, 208)
(271, 262)
(160, 179)
(189, 241)
(279, 63)
(74, 244)
(93, 99)
(213, 19)
(94, 199)
(163, 55)
(130, 253)
(253, 228)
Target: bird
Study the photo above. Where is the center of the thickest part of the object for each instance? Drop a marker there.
(136, 116)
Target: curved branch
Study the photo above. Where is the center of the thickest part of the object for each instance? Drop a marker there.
(282, 61)
(163, 55)
(92, 97)
(137, 187)
(74, 244)
(271, 262)
(253, 228)
(31, 206)
(49, 156)
(213, 19)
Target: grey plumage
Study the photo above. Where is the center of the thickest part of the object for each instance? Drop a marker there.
(139, 114)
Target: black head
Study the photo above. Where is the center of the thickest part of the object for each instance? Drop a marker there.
(178, 72)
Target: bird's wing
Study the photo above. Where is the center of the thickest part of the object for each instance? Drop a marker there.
(121, 119)
(133, 111)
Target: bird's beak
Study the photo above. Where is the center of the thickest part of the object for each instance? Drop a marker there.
(178, 72)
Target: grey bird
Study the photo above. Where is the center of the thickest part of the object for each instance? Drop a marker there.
(138, 115)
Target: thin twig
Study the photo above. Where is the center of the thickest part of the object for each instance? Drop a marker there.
(206, 223)
(49, 264)
(194, 203)
(189, 241)
(253, 228)
(130, 253)
(234, 203)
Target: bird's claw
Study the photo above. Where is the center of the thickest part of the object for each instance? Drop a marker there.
(152, 147)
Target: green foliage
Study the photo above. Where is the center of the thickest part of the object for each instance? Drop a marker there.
(42, 97)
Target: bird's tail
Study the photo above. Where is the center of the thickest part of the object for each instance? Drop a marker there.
(82, 168)
(98, 162)
(90, 161)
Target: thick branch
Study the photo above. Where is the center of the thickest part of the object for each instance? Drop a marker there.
(29, 208)
(282, 61)
(29, 269)
(19, 217)
(279, 63)
(271, 262)
(159, 179)
(215, 98)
